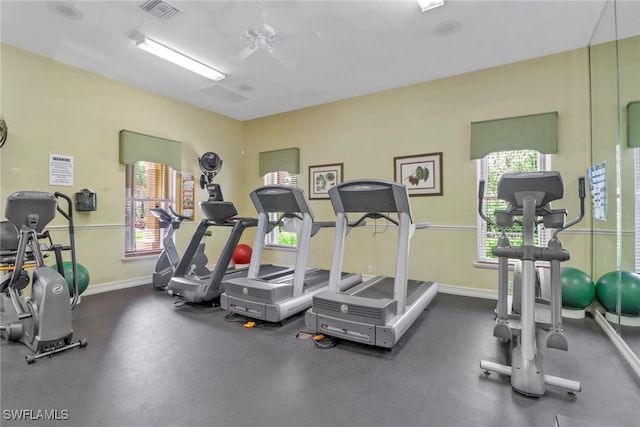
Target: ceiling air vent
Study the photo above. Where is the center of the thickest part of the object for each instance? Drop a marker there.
(160, 9)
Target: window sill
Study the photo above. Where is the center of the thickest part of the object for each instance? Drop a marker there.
(281, 248)
(488, 266)
(141, 256)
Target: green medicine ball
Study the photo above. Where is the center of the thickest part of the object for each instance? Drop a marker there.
(578, 290)
(607, 292)
(83, 276)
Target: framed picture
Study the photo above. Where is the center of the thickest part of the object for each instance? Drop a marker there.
(421, 173)
(322, 178)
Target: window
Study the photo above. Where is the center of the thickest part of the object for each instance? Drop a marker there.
(148, 185)
(491, 168)
(279, 236)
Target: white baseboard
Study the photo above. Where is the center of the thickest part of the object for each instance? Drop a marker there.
(624, 320)
(468, 292)
(114, 286)
(145, 280)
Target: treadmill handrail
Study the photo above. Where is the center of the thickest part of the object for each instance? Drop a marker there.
(360, 222)
(375, 215)
(318, 225)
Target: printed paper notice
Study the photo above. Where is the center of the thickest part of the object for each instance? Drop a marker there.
(598, 187)
(60, 170)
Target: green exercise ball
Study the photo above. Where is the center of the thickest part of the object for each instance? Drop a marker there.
(607, 292)
(83, 276)
(578, 290)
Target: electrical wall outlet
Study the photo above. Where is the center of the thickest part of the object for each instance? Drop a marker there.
(370, 269)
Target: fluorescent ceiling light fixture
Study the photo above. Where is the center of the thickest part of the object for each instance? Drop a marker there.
(177, 58)
(429, 4)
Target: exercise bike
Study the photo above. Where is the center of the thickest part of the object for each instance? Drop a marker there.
(528, 195)
(216, 212)
(42, 322)
(169, 258)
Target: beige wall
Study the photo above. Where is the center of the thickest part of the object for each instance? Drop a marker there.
(52, 108)
(365, 134)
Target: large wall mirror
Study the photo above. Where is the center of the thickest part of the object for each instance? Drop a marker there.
(614, 60)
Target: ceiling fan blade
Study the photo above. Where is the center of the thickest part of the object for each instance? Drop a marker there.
(283, 58)
(244, 54)
(269, 30)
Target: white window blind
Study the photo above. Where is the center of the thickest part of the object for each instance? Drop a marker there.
(278, 236)
(148, 185)
(491, 168)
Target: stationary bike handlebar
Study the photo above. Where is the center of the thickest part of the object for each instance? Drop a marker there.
(177, 215)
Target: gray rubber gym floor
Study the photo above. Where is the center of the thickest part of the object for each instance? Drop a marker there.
(150, 364)
(631, 336)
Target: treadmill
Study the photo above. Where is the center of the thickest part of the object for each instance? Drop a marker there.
(378, 311)
(277, 299)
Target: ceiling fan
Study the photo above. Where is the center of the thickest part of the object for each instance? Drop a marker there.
(267, 40)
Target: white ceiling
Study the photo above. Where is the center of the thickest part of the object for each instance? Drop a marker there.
(336, 49)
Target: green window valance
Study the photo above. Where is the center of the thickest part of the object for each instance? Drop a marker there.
(633, 124)
(135, 147)
(287, 159)
(532, 132)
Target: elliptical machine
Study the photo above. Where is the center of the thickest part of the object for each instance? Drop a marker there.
(529, 195)
(169, 258)
(42, 322)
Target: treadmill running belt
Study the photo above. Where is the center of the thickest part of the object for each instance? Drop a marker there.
(384, 289)
(265, 270)
(318, 277)
(312, 278)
